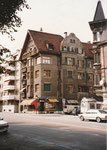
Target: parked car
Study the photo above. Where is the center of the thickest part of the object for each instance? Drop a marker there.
(94, 114)
(3, 126)
(75, 111)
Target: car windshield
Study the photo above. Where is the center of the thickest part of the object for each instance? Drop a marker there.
(102, 112)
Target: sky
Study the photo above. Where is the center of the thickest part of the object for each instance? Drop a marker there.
(57, 17)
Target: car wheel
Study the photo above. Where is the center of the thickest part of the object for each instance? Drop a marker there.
(98, 119)
(81, 118)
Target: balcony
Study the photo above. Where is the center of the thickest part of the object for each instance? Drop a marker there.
(8, 97)
(9, 87)
(9, 78)
(12, 68)
(97, 64)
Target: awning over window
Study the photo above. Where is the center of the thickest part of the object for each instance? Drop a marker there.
(53, 100)
(27, 102)
(72, 101)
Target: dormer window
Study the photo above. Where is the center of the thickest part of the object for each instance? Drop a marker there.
(50, 46)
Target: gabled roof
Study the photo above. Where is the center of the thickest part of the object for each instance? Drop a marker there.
(99, 14)
(40, 40)
(88, 49)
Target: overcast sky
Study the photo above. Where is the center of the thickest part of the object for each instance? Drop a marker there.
(55, 16)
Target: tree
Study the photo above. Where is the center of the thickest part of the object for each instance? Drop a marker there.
(9, 21)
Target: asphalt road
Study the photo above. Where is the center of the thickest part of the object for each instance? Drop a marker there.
(52, 132)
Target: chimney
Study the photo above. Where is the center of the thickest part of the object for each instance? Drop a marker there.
(65, 34)
(41, 30)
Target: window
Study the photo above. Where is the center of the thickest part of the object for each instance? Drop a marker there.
(81, 63)
(28, 62)
(31, 89)
(38, 60)
(50, 46)
(31, 74)
(69, 74)
(46, 60)
(47, 73)
(70, 61)
(72, 41)
(80, 51)
(90, 76)
(70, 88)
(37, 74)
(47, 87)
(83, 89)
(36, 87)
(81, 75)
(31, 62)
(72, 49)
(98, 58)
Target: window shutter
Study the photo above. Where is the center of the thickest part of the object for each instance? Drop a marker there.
(73, 61)
(66, 60)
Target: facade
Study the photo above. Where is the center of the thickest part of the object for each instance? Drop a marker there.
(99, 29)
(53, 68)
(76, 68)
(40, 70)
(10, 84)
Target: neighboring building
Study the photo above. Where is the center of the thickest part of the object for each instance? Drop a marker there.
(53, 68)
(40, 71)
(99, 29)
(10, 84)
(76, 68)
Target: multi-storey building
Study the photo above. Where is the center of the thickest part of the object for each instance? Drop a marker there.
(99, 29)
(54, 68)
(76, 68)
(40, 69)
(10, 84)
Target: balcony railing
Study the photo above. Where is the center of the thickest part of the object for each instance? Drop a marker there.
(9, 87)
(9, 78)
(8, 97)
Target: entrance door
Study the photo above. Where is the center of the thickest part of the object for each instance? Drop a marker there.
(41, 106)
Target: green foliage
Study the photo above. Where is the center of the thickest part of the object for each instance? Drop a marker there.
(8, 15)
(9, 20)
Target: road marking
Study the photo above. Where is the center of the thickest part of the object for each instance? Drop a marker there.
(45, 142)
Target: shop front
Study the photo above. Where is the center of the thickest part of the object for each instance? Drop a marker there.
(29, 105)
(51, 105)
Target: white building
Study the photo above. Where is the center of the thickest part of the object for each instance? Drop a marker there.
(10, 84)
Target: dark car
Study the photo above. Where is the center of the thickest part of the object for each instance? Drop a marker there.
(75, 111)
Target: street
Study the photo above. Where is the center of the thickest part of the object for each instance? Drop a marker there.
(52, 132)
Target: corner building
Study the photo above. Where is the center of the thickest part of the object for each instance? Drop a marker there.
(53, 68)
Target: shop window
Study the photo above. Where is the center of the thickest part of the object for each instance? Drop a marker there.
(37, 74)
(47, 87)
(46, 60)
(69, 74)
(37, 88)
(47, 73)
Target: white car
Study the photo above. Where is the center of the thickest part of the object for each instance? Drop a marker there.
(3, 126)
(94, 114)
